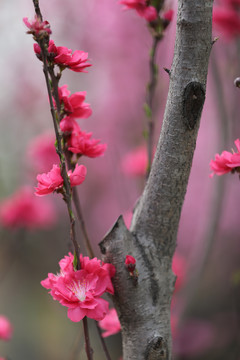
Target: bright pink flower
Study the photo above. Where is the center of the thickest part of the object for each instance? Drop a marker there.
(53, 181)
(226, 162)
(23, 209)
(80, 290)
(62, 56)
(130, 263)
(42, 152)
(36, 26)
(168, 15)
(78, 175)
(227, 20)
(68, 125)
(80, 143)
(110, 323)
(142, 8)
(6, 329)
(179, 269)
(49, 182)
(74, 105)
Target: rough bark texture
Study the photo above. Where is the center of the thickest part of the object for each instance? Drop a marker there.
(144, 308)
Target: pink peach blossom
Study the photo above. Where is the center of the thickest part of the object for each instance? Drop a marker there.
(110, 323)
(49, 182)
(23, 209)
(6, 329)
(226, 162)
(81, 143)
(78, 175)
(142, 8)
(80, 290)
(64, 57)
(74, 105)
(53, 181)
(130, 263)
(36, 26)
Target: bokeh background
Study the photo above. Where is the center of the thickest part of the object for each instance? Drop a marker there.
(205, 310)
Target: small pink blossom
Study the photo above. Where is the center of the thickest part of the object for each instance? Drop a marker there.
(68, 125)
(74, 105)
(49, 182)
(226, 162)
(78, 175)
(81, 290)
(168, 15)
(110, 323)
(23, 209)
(81, 143)
(37, 27)
(53, 181)
(42, 152)
(130, 263)
(64, 57)
(143, 9)
(6, 329)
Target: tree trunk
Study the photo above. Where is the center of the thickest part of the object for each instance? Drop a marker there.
(144, 306)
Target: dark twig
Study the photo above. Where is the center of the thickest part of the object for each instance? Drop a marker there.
(108, 357)
(149, 100)
(88, 348)
(37, 9)
(77, 205)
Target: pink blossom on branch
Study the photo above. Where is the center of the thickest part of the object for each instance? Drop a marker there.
(81, 290)
(144, 10)
(64, 57)
(36, 26)
(6, 329)
(226, 162)
(81, 143)
(74, 105)
(53, 181)
(110, 323)
(23, 209)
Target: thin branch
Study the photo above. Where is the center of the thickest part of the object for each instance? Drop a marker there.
(77, 205)
(88, 348)
(37, 9)
(105, 349)
(149, 100)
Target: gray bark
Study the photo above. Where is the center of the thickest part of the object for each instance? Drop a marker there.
(144, 307)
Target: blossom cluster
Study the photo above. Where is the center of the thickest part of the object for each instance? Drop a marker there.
(81, 290)
(68, 108)
(226, 18)
(226, 162)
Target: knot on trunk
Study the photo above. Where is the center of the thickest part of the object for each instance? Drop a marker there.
(157, 349)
